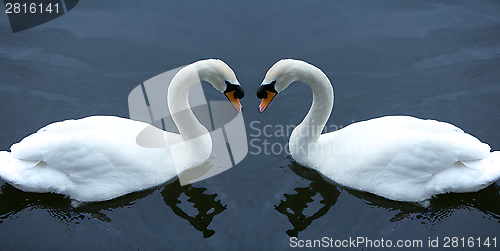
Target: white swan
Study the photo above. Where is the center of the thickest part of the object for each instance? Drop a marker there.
(97, 158)
(398, 157)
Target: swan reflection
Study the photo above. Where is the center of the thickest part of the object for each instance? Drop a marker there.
(206, 204)
(295, 205)
(440, 207)
(200, 215)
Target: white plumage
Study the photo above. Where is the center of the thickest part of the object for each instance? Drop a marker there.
(90, 159)
(97, 158)
(405, 158)
(398, 157)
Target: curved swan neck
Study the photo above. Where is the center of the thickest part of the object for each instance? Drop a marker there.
(188, 125)
(309, 130)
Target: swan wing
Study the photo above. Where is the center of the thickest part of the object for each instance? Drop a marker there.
(399, 157)
(94, 158)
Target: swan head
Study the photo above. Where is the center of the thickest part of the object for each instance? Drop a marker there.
(277, 79)
(222, 78)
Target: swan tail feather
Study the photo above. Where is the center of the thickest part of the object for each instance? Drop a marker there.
(468, 176)
(10, 167)
(31, 176)
(489, 167)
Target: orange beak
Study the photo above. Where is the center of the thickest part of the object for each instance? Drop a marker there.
(234, 101)
(266, 101)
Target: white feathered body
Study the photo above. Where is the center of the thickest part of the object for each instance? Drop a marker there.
(90, 159)
(403, 158)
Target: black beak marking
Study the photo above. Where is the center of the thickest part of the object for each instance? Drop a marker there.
(261, 92)
(239, 93)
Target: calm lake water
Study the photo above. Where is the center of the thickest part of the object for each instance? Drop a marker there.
(429, 59)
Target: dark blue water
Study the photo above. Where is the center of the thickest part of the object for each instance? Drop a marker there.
(430, 59)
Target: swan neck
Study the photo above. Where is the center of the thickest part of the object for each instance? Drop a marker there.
(310, 128)
(188, 125)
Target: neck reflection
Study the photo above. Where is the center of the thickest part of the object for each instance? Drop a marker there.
(295, 205)
(206, 205)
